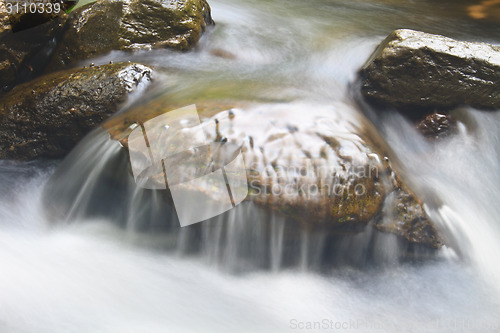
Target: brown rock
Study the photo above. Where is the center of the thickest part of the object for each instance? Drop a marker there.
(107, 25)
(324, 167)
(26, 43)
(437, 125)
(413, 70)
(49, 115)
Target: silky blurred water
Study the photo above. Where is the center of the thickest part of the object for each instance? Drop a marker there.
(93, 276)
(89, 277)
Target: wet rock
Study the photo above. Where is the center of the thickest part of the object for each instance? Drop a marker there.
(413, 70)
(322, 166)
(222, 54)
(20, 19)
(49, 115)
(437, 125)
(405, 216)
(103, 26)
(27, 41)
(4, 18)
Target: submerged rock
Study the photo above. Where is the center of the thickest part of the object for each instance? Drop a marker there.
(404, 215)
(437, 125)
(49, 115)
(323, 166)
(107, 25)
(416, 71)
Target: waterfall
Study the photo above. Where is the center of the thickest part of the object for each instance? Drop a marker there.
(95, 181)
(84, 249)
(458, 179)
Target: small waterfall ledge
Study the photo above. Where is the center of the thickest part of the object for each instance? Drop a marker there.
(370, 216)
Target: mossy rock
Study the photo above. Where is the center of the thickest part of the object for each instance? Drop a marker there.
(19, 19)
(419, 72)
(26, 45)
(107, 25)
(46, 117)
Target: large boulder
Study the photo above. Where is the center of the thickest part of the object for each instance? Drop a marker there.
(413, 70)
(325, 167)
(107, 25)
(49, 115)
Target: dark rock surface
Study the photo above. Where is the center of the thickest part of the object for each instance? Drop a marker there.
(24, 53)
(4, 18)
(437, 125)
(107, 25)
(408, 220)
(19, 19)
(413, 70)
(49, 115)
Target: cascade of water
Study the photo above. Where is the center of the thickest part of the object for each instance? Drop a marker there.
(83, 277)
(458, 179)
(95, 181)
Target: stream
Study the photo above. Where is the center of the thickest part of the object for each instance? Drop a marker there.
(92, 275)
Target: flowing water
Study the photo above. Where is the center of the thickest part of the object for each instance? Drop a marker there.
(92, 275)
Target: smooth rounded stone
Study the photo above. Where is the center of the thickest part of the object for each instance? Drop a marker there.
(25, 53)
(417, 71)
(437, 125)
(108, 25)
(49, 115)
(323, 166)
